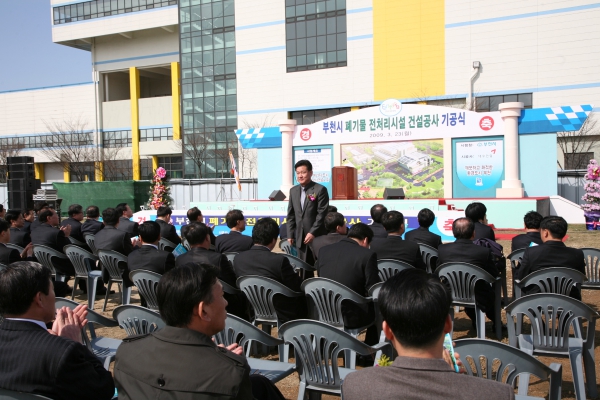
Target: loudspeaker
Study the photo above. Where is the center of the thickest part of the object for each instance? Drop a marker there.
(277, 195)
(393, 194)
(21, 167)
(20, 199)
(29, 175)
(20, 185)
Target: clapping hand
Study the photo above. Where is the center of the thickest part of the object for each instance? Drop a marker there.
(234, 348)
(27, 251)
(66, 230)
(68, 323)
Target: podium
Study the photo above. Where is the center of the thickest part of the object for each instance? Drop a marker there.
(345, 183)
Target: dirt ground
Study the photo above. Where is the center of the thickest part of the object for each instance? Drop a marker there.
(577, 237)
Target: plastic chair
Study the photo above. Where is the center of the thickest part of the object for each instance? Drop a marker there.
(90, 240)
(11, 395)
(102, 347)
(260, 292)
(592, 268)
(44, 255)
(285, 246)
(317, 346)
(328, 295)
(82, 261)
(110, 260)
(15, 247)
(146, 282)
(166, 245)
(515, 259)
(227, 288)
(461, 278)
(430, 256)
(551, 316)
(483, 353)
(388, 268)
(136, 320)
(241, 332)
(76, 242)
(374, 294)
(230, 256)
(301, 267)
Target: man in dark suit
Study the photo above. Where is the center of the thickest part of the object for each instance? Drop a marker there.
(377, 212)
(393, 246)
(261, 261)
(478, 213)
(18, 235)
(48, 234)
(235, 241)
(463, 250)
(307, 208)
(414, 307)
(422, 234)
(38, 207)
(32, 360)
(551, 253)
(75, 213)
(532, 221)
(29, 217)
(195, 215)
(148, 257)
(7, 255)
(335, 224)
(167, 231)
(125, 223)
(91, 224)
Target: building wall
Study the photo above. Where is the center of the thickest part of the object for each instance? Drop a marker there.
(116, 115)
(156, 111)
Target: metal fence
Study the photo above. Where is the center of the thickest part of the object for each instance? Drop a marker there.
(570, 184)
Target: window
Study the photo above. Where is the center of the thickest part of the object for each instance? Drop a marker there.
(173, 165)
(156, 134)
(51, 140)
(146, 168)
(104, 8)
(116, 139)
(490, 103)
(577, 160)
(311, 116)
(315, 34)
(82, 172)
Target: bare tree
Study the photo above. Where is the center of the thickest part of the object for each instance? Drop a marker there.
(195, 146)
(577, 147)
(223, 160)
(8, 150)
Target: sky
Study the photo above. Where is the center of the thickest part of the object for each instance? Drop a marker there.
(29, 58)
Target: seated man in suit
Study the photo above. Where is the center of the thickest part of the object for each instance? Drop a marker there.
(18, 235)
(52, 363)
(48, 234)
(335, 224)
(235, 241)
(477, 212)
(75, 217)
(532, 221)
(261, 261)
(422, 234)
(463, 250)
(377, 212)
(38, 207)
(393, 246)
(28, 216)
(148, 257)
(167, 231)
(7, 255)
(125, 224)
(195, 215)
(551, 253)
(351, 263)
(91, 224)
(415, 306)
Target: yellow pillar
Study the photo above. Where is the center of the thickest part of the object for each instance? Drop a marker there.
(39, 172)
(154, 163)
(99, 171)
(354, 108)
(134, 90)
(175, 96)
(66, 174)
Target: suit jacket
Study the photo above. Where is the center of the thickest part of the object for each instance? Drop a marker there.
(26, 227)
(483, 231)
(420, 378)
(524, 240)
(233, 242)
(55, 238)
(378, 230)
(150, 258)
(325, 240)
(395, 248)
(422, 235)
(91, 226)
(310, 219)
(140, 363)
(33, 361)
(202, 255)
(168, 231)
(184, 229)
(8, 256)
(19, 237)
(126, 225)
(259, 260)
(75, 228)
(34, 225)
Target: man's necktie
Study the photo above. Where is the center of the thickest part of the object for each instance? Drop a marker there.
(302, 197)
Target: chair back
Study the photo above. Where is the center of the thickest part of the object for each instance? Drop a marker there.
(166, 245)
(461, 278)
(592, 266)
(227, 288)
(430, 256)
(110, 260)
(553, 280)
(76, 242)
(12, 395)
(44, 255)
(551, 316)
(285, 246)
(90, 240)
(388, 268)
(327, 295)
(136, 320)
(374, 294)
(298, 264)
(231, 255)
(146, 282)
(241, 332)
(516, 257)
(15, 247)
(500, 362)
(81, 259)
(260, 292)
(92, 317)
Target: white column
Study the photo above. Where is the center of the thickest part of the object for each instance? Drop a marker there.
(287, 128)
(511, 185)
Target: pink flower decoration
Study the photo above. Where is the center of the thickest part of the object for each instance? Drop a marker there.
(161, 172)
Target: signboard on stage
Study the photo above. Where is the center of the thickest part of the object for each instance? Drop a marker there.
(321, 158)
(478, 167)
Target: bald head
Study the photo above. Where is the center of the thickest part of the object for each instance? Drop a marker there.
(463, 228)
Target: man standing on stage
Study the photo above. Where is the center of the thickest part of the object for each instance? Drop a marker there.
(307, 208)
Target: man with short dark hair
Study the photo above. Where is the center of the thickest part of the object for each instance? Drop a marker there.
(261, 261)
(52, 363)
(234, 241)
(195, 215)
(414, 307)
(422, 234)
(477, 212)
(75, 213)
(335, 224)
(28, 216)
(91, 224)
(393, 246)
(8, 255)
(125, 223)
(148, 257)
(167, 230)
(531, 237)
(377, 227)
(551, 253)
(38, 207)
(17, 235)
(47, 234)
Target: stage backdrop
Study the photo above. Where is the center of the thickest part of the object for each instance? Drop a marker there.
(478, 167)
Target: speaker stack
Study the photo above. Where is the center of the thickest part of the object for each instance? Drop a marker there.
(22, 184)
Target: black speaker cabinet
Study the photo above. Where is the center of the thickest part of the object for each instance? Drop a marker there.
(394, 194)
(277, 195)
(29, 175)
(20, 185)
(20, 199)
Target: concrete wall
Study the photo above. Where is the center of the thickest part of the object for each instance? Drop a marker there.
(116, 115)
(156, 111)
